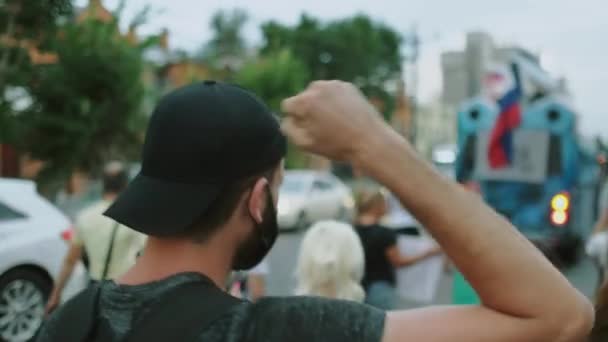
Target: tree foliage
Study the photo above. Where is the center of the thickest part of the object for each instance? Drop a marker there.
(23, 23)
(355, 49)
(86, 107)
(273, 78)
(227, 43)
(32, 19)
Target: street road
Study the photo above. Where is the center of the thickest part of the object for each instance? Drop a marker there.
(282, 261)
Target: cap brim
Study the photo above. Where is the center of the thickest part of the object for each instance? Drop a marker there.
(161, 208)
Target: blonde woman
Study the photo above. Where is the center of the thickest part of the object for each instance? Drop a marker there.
(331, 262)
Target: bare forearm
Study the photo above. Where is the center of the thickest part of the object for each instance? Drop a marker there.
(485, 247)
(411, 260)
(399, 260)
(74, 254)
(602, 223)
(64, 276)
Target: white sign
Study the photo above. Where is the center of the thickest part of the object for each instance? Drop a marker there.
(420, 281)
(530, 153)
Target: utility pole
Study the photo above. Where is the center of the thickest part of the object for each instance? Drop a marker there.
(412, 44)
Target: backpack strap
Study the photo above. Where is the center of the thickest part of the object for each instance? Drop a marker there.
(108, 260)
(183, 313)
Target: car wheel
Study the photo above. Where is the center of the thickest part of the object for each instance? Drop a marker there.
(23, 295)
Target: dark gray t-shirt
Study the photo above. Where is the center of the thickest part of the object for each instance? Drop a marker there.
(270, 319)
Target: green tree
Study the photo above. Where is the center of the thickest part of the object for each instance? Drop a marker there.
(355, 49)
(86, 107)
(227, 45)
(23, 24)
(274, 77)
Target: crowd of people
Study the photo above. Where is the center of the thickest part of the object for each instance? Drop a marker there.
(336, 260)
(205, 202)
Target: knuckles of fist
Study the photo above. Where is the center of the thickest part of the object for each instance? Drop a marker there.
(330, 118)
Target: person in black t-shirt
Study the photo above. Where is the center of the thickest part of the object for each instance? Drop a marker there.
(382, 255)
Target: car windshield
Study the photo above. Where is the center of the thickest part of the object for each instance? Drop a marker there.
(293, 184)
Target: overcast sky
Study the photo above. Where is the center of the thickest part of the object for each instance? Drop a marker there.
(572, 36)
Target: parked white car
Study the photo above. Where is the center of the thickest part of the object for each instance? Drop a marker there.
(308, 196)
(32, 248)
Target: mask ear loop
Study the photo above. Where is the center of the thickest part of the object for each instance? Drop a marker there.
(268, 241)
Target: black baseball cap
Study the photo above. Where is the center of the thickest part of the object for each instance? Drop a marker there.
(200, 139)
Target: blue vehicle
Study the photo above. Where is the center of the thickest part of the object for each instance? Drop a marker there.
(550, 191)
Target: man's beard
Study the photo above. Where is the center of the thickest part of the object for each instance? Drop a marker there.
(257, 245)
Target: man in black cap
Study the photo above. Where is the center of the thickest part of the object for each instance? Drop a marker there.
(206, 194)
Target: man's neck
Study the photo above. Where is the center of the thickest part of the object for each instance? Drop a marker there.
(163, 258)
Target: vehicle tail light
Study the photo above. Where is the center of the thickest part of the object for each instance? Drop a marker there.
(559, 218)
(560, 209)
(67, 234)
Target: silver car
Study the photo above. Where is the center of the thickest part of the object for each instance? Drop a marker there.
(308, 196)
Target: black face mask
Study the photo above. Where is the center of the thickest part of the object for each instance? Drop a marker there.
(259, 243)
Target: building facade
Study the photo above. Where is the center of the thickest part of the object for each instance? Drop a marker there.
(463, 71)
(435, 126)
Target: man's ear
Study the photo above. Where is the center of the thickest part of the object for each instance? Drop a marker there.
(257, 201)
